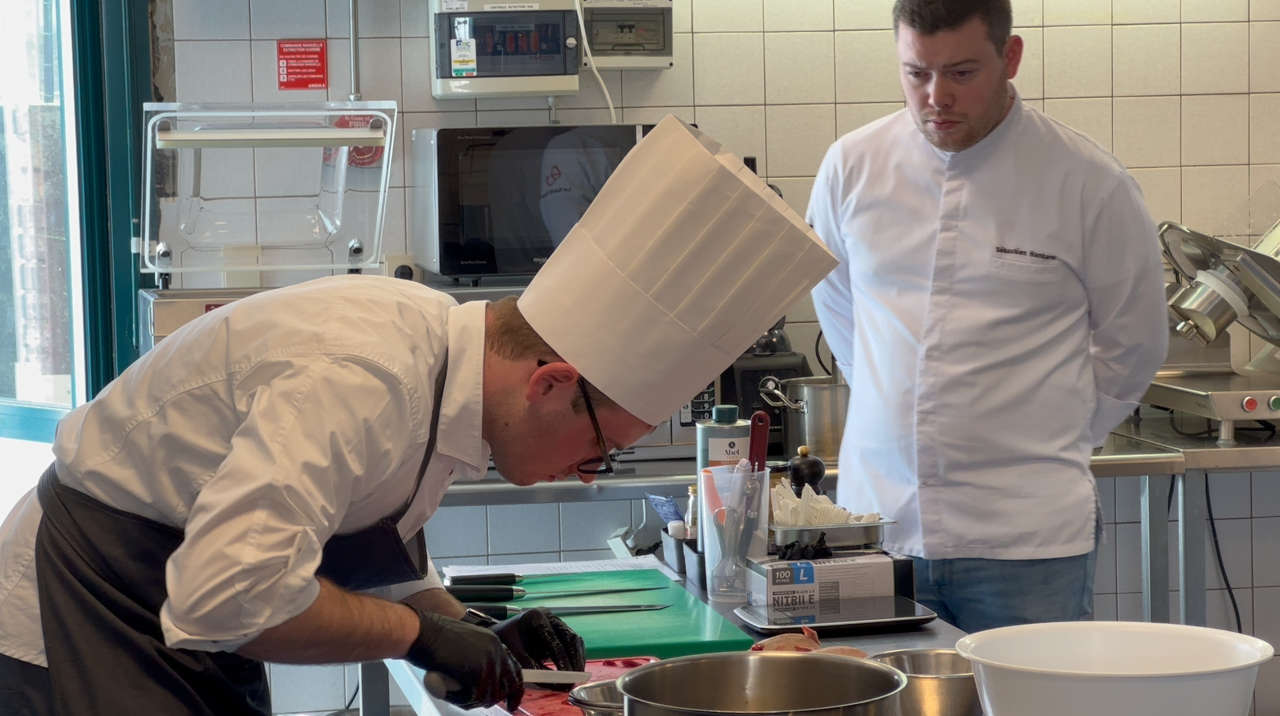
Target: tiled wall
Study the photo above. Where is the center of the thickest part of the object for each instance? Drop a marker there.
(1181, 92)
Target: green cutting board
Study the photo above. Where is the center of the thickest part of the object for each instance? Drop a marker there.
(686, 627)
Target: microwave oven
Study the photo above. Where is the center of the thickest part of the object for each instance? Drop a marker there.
(496, 201)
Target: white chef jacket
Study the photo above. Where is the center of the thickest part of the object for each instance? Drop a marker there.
(261, 430)
(997, 312)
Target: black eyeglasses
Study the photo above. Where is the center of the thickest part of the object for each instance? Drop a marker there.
(603, 464)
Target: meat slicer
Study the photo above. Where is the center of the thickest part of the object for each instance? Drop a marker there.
(1225, 300)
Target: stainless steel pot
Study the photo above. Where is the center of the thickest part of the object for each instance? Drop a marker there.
(813, 412)
(762, 683)
(939, 682)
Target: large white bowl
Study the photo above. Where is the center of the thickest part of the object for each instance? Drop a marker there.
(1114, 668)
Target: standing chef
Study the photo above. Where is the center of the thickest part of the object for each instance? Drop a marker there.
(998, 310)
(226, 500)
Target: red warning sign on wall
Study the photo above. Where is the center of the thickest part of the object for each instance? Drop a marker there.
(301, 65)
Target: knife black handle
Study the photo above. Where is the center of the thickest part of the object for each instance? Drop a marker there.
(508, 579)
(483, 592)
(497, 611)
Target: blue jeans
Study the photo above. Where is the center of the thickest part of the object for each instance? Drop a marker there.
(978, 594)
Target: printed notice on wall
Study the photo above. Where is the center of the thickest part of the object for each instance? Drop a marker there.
(301, 65)
(462, 58)
(511, 7)
(455, 6)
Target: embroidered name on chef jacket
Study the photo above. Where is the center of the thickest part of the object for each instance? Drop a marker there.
(1022, 252)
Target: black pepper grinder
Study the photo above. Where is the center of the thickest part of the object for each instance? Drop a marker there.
(806, 469)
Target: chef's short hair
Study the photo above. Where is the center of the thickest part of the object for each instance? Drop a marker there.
(929, 17)
(509, 336)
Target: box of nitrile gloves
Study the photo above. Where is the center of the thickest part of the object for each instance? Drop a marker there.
(783, 584)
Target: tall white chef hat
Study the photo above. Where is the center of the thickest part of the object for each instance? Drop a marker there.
(682, 261)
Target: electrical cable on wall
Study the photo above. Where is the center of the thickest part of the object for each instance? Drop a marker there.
(586, 49)
(817, 353)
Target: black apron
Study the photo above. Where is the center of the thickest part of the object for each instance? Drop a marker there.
(101, 581)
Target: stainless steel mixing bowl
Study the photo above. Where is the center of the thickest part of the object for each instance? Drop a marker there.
(762, 683)
(939, 682)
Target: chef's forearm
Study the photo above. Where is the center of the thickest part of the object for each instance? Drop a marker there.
(436, 600)
(338, 627)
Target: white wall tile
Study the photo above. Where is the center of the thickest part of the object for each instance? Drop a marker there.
(1266, 626)
(457, 532)
(393, 221)
(798, 136)
(1104, 578)
(682, 16)
(512, 103)
(795, 191)
(1162, 189)
(1146, 60)
(1090, 116)
(515, 529)
(286, 19)
(864, 14)
(739, 129)
(590, 96)
(1036, 104)
(378, 18)
(1215, 58)
(1266, 557)
(851, 116)
(1215, 10)
(1215, 129)
(1144, 11)
(415, 61)
(1104, 607)
(803, 311)
(1077, 12)
(799, 68)
(1208, 193)
(1128, 498)
(1221, 614)
(1230, 493)
(1236, 540)
(1264, 57)
(306, 688)
(1128, 545)
(266, 82)
(586, 555)
(1030, 77)
(867, 67)
(728, 68)
(524, 558)
(585, 116)
(1077, 61)
(203, 20)
(379, 69)
(1028, 12)
(1266, 491)
(653, 115)
(588, 525)
(293, 171)
(1264, 10)
(516, 117)
(1129, 607)
(1264, 141)
(213, 71)
(798, 15)
(728, 15)
(663, 88)
(1259, 173)
(1147, 131)
(415, 19)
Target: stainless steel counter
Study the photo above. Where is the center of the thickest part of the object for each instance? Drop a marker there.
(1121, 456)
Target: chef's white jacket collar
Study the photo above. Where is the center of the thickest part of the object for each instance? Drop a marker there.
(461, 412)
(986, 144)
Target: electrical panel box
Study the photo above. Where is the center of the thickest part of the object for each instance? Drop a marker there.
(509, 49)
(629, 34)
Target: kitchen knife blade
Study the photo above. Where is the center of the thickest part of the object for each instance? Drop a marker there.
(498, 593)
(503, 578)
(504, 611)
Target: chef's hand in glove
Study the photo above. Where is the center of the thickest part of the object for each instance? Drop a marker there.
(536, 636)
(479, 670)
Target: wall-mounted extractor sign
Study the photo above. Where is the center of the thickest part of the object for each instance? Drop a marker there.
(301, 65)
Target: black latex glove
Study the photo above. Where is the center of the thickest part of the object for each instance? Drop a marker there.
(536, 636)
(473, 657)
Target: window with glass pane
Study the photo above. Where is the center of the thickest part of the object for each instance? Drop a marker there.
(39, 241)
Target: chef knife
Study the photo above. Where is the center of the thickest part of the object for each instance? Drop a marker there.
(502, 578)
(438, 684)
(503, 611)
(499, 593)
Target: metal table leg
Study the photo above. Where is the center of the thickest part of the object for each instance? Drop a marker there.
(1155, 547)
(1193, 595)
(375, 689)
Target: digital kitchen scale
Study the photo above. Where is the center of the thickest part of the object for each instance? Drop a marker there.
(895, 611)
